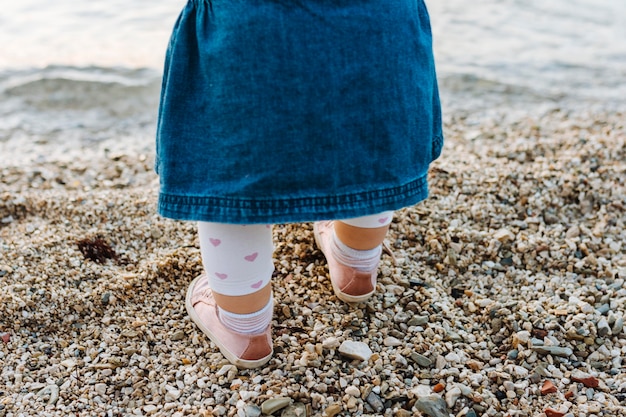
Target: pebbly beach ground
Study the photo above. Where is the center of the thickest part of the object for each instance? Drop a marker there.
(503, 294)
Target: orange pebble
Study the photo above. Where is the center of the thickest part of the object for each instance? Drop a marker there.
(589, 382)
(551, 412)
(548, 388)
(474, 365)
(439, 387)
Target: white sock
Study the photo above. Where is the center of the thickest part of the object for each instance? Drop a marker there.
(252, 323)
(362, 260)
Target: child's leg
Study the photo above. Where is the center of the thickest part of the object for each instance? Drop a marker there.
(365, 232)
(358, 242)
(352, 248)
(238, 263)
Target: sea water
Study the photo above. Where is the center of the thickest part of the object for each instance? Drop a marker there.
(82, 77)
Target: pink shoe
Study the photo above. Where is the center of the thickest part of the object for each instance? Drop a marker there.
(349, 284)
(242, 350)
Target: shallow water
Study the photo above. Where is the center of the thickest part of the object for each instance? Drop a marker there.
(85, 76)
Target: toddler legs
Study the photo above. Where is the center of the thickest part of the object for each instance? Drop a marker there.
(232, 304)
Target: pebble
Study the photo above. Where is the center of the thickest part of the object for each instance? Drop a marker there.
(353, 391)
(440, 362)
(551, 412)
(433, 406)
(68, 363)
(5, 270)
(572, 232)
(226, 369)
(355, 350)
(603, 327)
(172, 395)
(548, 388)
(392, 342)
(452, 396)
(401, 317)
(331, 343)
(332, 410)
(520, 371)
(417, 321)
(274, 404)
(423, 390)
(504, 235)
(5, 337)
(375, 402)
(101, 389)
(618, 326)
(508, 385)
(400, 362)
(474, 365)
(421, 360)
(219, 410)
(52, 391)
(178, 335)
(437, 388)
(554, 350)
(585, 379)
(252, 411)
(521, 338)
(106, 298)
(295, 410)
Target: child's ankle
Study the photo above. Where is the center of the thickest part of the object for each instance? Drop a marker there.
(361, 260)
(252, 323)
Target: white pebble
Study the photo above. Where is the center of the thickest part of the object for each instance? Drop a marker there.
(353, 391)
(520, 371)
(331, 343)
(523, 337)
(225, 369)
(355, 350)
(421, 391)
(172, 395)
(101, 389)
(452, 396)
(150, 409)
(392, 342)
(453, 357)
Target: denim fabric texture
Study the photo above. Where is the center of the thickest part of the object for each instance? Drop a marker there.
(288, 111)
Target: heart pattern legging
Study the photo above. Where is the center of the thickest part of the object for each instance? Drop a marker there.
(238, 258)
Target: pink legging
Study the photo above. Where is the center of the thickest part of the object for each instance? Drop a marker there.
(238, 258)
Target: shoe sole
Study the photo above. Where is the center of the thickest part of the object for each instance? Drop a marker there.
(352, 299)
(232, 358)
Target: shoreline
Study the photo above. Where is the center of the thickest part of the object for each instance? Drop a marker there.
(505, 295)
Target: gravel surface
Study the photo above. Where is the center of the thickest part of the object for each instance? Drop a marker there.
(503, 294)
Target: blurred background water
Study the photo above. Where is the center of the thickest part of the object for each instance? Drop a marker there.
(83, 76)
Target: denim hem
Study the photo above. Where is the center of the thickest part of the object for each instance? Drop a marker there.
(291, 210)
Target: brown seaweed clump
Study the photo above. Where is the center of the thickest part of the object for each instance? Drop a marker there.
(96, 249)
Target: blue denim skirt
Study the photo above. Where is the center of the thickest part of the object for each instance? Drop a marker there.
(288, 111)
